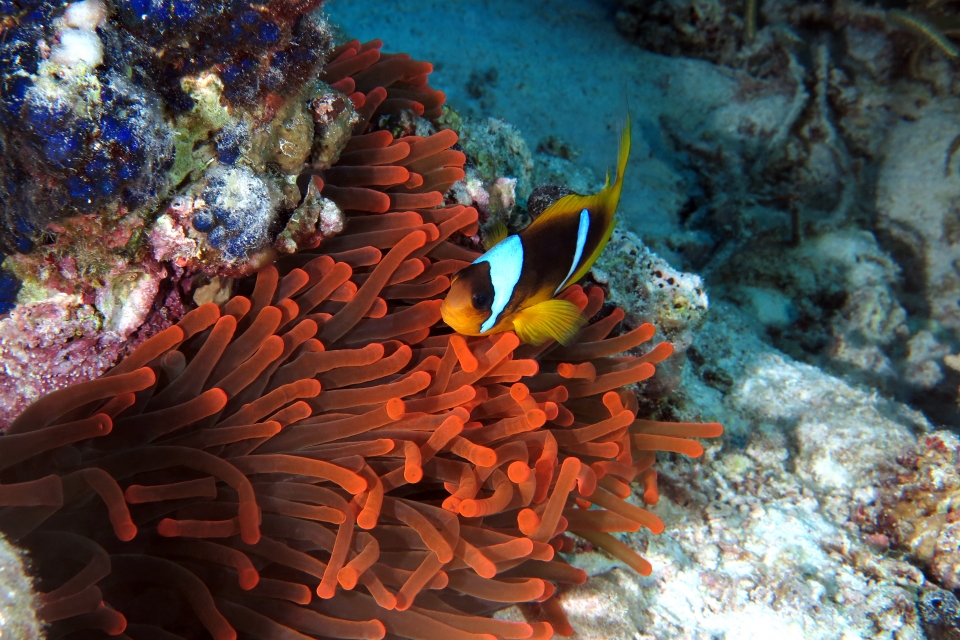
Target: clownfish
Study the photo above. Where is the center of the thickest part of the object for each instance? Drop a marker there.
(514, 285)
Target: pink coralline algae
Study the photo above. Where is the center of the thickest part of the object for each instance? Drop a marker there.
(50, 345)
(78, 330)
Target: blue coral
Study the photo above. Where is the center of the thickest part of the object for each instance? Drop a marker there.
(229, 142)
(69, 150)
(9, 288)
(203, 221)
(242, 37)
(238, 212)
(97, 149)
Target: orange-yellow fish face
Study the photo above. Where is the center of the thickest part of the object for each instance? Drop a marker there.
(467, 305)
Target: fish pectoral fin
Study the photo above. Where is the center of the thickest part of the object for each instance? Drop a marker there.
(557, 319)
(494, 235)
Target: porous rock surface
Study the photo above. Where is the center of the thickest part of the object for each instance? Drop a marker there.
(18, 619)
(917, 200)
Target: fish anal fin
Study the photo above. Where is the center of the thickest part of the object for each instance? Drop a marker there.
(494, 234)
(560, 320)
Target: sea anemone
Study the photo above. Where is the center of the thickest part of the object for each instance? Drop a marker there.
(324, 435)
(379, 83)
(320, 457)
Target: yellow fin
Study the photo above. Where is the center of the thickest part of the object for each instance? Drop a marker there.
(606, 199)
(605, 202)
(494, 235)
(609, 198)
(557, 319)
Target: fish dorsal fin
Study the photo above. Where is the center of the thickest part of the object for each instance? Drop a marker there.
(604, 200)
(603, 203)
(557, 319)
(571, 204)
(494, 235)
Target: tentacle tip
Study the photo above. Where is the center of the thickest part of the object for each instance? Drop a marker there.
(486, 458)
(519, 391)
(469, 509)
(218, 398)
(105, 424)
(326, 591)
(168, 528)
(249, 579)
(147, 376)
(116, 624)
(126, 531)
(347, 577)
(536, 418)
(395, 408)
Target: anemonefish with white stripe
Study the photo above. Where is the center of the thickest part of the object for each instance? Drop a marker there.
(514, 285)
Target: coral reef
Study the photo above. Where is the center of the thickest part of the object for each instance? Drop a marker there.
(249, 144)
(862, 153)
(940, 614)
(18, 615)
(776, 155)
(713, 29)
(499, 177)
(836, 294)
(76, 134)
(920, 512)
(50, 345)
(916, 209)
(236, 453)
(646, 286)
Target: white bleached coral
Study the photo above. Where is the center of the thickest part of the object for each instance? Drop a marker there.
(77, 40)
(126, 300)
(650, 290)
(18, 617)
(240, 209)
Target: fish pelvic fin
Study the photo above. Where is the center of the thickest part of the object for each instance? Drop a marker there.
(555, 319)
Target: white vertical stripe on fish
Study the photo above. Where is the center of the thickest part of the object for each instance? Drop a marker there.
(506, 264)
(582, 232)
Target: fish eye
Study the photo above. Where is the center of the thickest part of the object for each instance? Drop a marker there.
(481, 301)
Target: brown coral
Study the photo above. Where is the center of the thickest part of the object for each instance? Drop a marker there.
(920, 512)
